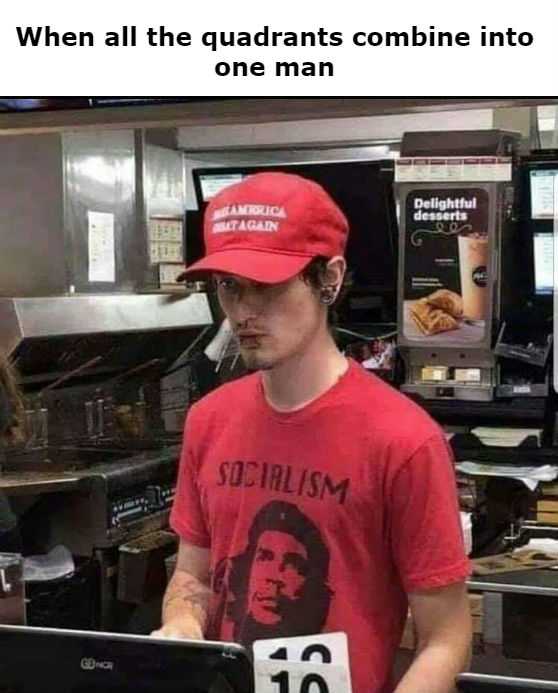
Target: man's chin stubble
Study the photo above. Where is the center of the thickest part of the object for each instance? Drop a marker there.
(256, 363)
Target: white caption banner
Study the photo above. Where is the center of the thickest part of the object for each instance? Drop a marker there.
(278, 49)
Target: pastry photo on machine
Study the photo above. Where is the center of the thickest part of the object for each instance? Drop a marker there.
(440, 315)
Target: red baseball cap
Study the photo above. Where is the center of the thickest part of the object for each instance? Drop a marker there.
(268, 227)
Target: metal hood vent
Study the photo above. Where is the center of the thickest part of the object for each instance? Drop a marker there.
(42, 333)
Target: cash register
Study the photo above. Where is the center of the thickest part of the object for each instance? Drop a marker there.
(484, 683)
(45, 660)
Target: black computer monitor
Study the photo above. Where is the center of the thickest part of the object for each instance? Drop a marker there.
(484, 683)
(541, 183)
(542, 179)
(540, 173)
(45, 660)
(543, 261)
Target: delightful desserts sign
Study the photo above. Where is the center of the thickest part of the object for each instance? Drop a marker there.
(446, 282)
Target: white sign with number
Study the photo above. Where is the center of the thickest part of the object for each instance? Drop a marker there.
(326, 648)
(275, 676)
(307, 657)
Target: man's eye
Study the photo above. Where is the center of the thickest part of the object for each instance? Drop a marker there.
(227, 284)
(299, 563)
(264, 555)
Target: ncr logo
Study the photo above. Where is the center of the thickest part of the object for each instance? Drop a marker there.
(90, 664)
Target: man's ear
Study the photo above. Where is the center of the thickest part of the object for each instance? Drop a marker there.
(335, 272)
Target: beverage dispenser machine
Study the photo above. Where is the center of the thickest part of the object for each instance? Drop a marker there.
(455, 193)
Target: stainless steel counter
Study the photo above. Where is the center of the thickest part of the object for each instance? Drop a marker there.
(537, 582)
(36, 483)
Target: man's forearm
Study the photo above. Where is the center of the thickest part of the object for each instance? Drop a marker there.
(186, 600)
(435, 668)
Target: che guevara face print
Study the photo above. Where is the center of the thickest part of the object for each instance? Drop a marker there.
(278, 586)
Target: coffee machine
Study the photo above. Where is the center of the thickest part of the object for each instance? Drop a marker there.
(456, 193)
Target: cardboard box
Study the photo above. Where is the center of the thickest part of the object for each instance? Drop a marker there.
(524, 559)
(476, 604)
(547, 518)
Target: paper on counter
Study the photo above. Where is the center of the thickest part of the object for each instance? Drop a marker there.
(467, 529)
(530, 476)
(53, 565)
(542, 544)
(506, 436)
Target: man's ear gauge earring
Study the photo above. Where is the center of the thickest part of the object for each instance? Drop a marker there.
(327, 295)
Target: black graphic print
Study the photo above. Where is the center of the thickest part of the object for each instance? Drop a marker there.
(278, 586)
(308, 483)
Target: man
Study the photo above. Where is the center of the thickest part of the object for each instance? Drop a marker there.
(369, 472)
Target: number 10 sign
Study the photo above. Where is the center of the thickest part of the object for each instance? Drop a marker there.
(310, 664)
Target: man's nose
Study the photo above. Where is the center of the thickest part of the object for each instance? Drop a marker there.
(245, 307)
(277, 581)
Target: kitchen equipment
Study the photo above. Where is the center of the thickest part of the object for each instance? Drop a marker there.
(103, 418)
(12, 590)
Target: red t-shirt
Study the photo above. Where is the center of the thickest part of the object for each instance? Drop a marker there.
(322, 519)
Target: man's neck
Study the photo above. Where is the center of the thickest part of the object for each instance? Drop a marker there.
(297, 382)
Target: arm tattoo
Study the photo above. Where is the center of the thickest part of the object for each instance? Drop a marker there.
(190, 592)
